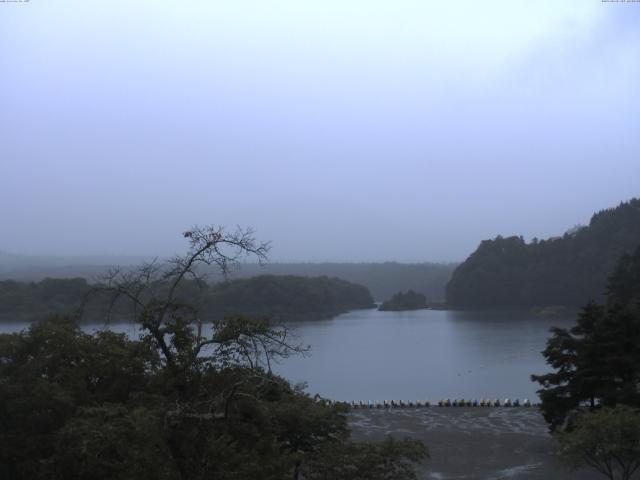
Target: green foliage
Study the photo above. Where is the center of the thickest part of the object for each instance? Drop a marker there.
(113, 441)
(607, 440)
(74, 405)
(568, 270)
(389, 460)
(50, 372)
(597, 362)
(409, 300)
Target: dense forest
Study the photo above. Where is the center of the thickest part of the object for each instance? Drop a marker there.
(568, 270)
(102, 406)
(287, 297)
(176, 403)
(279, 297)
(382, 279)
(409, 300)
(30, 300)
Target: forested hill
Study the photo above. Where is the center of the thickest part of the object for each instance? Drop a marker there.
(567, 270)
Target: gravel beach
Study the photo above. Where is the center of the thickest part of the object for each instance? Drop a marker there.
(472, 443)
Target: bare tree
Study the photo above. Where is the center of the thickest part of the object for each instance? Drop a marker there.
(174, 326)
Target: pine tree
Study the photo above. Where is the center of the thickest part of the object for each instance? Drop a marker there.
(597, 362)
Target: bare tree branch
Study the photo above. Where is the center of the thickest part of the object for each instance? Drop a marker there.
(152, 289)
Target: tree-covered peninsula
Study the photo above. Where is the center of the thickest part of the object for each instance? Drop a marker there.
(280, 297)
(287, 297)
(401, 301)
(568, 270)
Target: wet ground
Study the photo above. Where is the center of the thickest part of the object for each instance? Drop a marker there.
(472, 443)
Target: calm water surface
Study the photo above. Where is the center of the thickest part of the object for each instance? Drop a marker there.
(424, 354)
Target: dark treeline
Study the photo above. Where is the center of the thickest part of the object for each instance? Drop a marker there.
(382, 279)
(30, 300)
(278, 297)
(567, 270)
(287, 297)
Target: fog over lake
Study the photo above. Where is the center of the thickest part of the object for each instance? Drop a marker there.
(423, 354)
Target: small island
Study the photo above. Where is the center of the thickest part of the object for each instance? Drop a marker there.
(409, 300)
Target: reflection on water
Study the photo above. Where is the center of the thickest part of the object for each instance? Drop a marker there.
(425, 354)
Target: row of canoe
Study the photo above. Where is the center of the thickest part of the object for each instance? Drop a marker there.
(485, 402)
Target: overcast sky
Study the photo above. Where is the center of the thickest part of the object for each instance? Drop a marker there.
(340, 130)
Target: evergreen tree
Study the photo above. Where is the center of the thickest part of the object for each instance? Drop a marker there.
(597, 362)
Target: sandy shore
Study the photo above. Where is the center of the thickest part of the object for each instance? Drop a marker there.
(472, 443)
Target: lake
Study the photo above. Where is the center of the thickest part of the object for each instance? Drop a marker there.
(424, 354)
(418, 355)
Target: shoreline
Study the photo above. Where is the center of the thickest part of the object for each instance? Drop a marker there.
(471, 443)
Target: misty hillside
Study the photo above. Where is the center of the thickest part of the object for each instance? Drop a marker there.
(567, 270)
(38, 267)
(382, 279)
